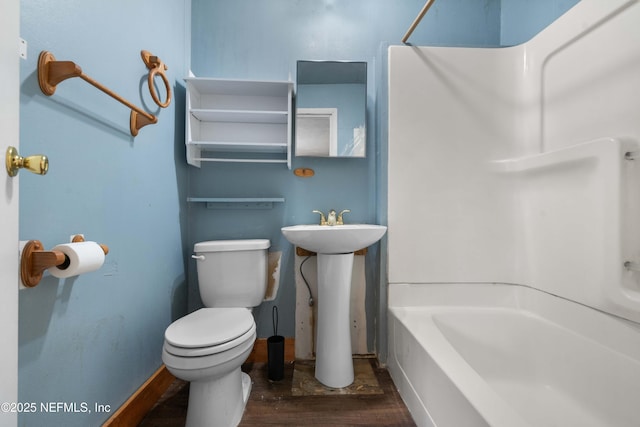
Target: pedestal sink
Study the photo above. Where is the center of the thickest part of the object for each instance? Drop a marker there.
(335, 246)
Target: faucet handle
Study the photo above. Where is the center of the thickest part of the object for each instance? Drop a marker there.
(340, 221)
(323, 220)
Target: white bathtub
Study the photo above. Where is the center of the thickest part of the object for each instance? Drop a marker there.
(510, 356)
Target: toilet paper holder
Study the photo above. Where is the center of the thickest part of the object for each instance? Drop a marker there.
(35, 260)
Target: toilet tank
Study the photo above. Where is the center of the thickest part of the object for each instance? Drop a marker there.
(232, 273)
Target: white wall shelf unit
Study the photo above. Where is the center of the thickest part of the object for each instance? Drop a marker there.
(246, 121)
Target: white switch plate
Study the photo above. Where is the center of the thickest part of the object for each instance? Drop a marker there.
(22, 48)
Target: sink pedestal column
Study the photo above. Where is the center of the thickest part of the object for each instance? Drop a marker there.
(334, 365)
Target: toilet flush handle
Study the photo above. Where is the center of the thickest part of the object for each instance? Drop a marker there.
(198, 257)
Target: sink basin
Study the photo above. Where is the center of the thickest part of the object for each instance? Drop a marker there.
(337, 239)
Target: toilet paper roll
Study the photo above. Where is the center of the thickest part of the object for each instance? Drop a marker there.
(81, 257)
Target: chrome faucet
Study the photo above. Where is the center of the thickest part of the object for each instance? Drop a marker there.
(332, 218)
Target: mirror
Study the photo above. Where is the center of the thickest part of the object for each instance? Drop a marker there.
(331, 103)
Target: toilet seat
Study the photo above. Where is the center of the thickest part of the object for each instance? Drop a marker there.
(209, 331)
(207, 351)
(213, 363)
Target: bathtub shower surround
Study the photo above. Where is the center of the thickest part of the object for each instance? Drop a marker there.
(510, 356)
(526, 162)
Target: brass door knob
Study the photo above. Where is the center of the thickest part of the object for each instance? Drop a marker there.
(37, 164)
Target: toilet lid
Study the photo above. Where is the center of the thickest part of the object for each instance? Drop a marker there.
(209, 327)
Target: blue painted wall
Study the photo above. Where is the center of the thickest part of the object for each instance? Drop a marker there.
(523, 19)
(97, 337)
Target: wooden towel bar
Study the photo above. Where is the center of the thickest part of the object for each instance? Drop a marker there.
(52, 72)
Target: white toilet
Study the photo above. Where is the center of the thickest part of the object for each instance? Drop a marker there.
(208, 346)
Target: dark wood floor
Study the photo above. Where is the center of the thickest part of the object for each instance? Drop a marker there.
(272, 404)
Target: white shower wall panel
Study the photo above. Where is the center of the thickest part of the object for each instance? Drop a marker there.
(451, 112)
(508, 165)
(590, 78)
(574, 210)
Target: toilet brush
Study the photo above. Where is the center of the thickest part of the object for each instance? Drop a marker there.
(275, 350)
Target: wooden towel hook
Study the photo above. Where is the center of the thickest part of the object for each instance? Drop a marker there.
(52, 72)
(304, 172)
